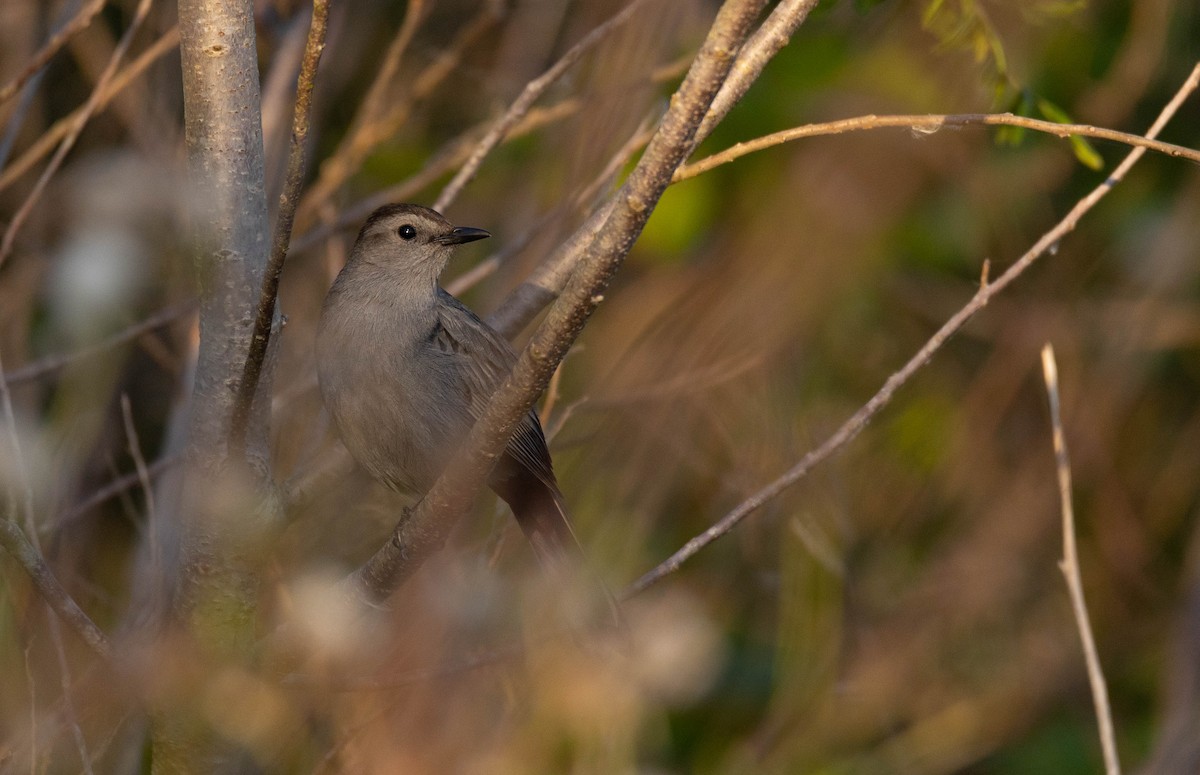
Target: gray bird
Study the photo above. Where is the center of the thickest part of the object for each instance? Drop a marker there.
(405, 370)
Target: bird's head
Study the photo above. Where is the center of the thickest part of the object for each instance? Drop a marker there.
(411, 239)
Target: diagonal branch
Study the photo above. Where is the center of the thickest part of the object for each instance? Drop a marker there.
(853, 426)
(531, 296)
(521, 105)
(61, 128)
(423, 530)
(80, 22)
(89, 108)
(15, 542)
(52, 363)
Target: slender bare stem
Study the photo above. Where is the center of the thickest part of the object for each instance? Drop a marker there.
(772, 35)
(530, 297)
(79, 22)
(529, 95)
(930, 123)
(1069, 565)
(120, 485)
(851, 427)
(61, 128)
(283, 229)
(89, 108)
(52, 363)
(15, 542)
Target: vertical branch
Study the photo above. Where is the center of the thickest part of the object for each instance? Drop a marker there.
(223, 133)
(283, 230)
(1069, 565)
(218, 586)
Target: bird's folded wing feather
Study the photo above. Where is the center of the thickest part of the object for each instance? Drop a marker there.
(488, 359)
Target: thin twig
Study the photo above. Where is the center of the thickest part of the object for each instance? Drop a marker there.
(39, 60)
(118, 486)
(530, 297)
(771, 36)
(283, 230)
(851, 428)
(143, 475)
(1069, 565)
(90, 107)
(68, 705)
(61, 128)
(14, 541)
(375, 129)
(929, 123)
(521, 105)
(52, 363)
(452, 154)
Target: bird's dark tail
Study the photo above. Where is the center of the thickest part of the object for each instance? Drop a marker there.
(540, 512)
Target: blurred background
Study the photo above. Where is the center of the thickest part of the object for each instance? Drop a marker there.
(900, 610)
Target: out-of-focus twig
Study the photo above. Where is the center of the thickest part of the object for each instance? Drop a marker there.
(930, 123)
(283, 229)
(14, 541)
(854, 425)
(52, 363)
(524, 101)
(371, 129)
(118, 486)
(89, 108)
(530, 297)
(80, 22)
(1069, 565)
(61, 128)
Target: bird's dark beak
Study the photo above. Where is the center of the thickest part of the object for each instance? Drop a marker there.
(460, 234)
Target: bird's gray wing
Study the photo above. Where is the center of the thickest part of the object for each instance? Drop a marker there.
(486, 359)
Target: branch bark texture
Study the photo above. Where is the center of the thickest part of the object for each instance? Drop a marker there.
(223, 132)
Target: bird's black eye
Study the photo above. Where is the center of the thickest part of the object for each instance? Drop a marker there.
(406, 231)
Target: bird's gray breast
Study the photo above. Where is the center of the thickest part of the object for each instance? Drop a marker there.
(392, 392)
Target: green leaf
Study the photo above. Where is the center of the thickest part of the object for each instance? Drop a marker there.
(1013, 136)
(1087, 155)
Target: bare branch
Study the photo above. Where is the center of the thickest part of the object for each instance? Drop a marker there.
(80, 22)
(14, 541)
(530, 94)
(370, 129)
(424, 529)
(31, 561)
(288, 199)
(89, 108)
(53, 363)
(763, 45)
(118, 486)
(61, 128)
(851, 428)
(531, 296)
(928, 123)
(1069, 565)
